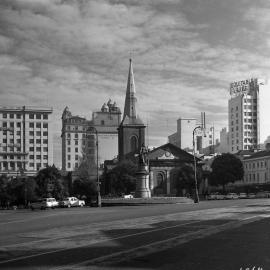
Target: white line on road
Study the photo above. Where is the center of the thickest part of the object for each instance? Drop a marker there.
(97, 242)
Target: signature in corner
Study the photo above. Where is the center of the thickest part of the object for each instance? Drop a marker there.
(251, 268)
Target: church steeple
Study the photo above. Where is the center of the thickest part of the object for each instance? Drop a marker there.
(130, 101)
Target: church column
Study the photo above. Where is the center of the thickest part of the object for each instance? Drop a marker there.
(168, 181)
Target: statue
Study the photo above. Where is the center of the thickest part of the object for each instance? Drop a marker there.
(142, 155)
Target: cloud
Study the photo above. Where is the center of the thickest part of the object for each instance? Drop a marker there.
(185, 54)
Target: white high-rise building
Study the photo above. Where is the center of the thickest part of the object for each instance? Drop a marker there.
(25, 139)
(248, 115)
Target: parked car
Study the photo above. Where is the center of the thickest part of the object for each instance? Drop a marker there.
(220, 196)
(211, 196)
(231, 196)
(262, 194)
(72, 202)
(128, 196)
(251, 195)
(243, 195)
(44, 203)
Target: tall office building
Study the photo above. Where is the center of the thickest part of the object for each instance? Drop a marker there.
(248, 115)
(25, 139)
(79, 137)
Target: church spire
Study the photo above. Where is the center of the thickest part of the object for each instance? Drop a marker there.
(130, 101)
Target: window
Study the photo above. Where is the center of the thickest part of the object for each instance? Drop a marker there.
(18, 149)
(38, 140)
(18, 141)
(76, 135)
(31, 141)
(38, 116)
(45, 133)
(76, 157)
(102, 122)
(4, 124)
(31, 116)
(38, 133)
(45, 165)
(76, 142)
(38, 149)
(18, 125)
(18, 116)
(68, 135)
(11, 116)
(31, 125)
(45, 141)
(69, 165)
(68, 157)
(11, 124)
(11, 141)
(38, 125)
(4, 140)
(4, 115)
(45, 125)
(18, 133)
(45, 149)
(31, 164)
(31, 156)
(76, 150)
(68, 149)
(38, 156)
(45, 116)
(11, 157)
(76, 165)
(68, 142)
(31, 149)
(31, 133)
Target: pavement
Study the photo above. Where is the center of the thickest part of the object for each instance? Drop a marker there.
(211, 235)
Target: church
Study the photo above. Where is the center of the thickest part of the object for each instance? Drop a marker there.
(163, 161)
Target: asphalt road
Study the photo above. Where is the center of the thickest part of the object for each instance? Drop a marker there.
(209, 235)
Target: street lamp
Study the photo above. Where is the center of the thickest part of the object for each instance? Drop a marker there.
(196, 199)
(98, 183)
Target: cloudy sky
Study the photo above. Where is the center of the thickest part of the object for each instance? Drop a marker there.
(185, 53)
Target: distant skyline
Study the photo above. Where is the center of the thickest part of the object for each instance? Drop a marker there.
(185, 54)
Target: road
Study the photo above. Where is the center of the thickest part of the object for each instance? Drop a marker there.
(214, 235)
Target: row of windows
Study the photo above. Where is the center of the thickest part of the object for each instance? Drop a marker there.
(255, 178)
(19, 165)
(38, 157)
(250, 107)
(89, 144)
(31, 116)
(31, 164)
(250, 114)
(38, 133)
(76, 157)
(38, 149)
(250, 120)
(19, 124)
(11, 149)
(76, 136)
(38, 141)
(69, 165)
(250, 140)
(258, 164)
(12, 157)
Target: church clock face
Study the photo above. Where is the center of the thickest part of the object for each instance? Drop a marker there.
(167, 154)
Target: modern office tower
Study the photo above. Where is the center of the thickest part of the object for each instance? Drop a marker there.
(248, 107)
(25, 140)
(224, 141)
(79, 137)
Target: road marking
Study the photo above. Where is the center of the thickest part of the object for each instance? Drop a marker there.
(96, 242)
(159, 245)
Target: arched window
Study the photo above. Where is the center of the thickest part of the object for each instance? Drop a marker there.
(160, 179)
(133, 143)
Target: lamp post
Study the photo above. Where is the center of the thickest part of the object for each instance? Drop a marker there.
(196, 199)
(98, 183)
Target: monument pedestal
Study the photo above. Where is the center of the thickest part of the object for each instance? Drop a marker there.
(142, 182)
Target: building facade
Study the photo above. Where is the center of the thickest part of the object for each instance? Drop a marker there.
(96, 139)
(248, 117)
(25, 139)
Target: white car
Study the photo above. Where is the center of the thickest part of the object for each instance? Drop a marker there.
(72, 202)
(44, 203)
(243, 195)
(231, 196)
(128, 196)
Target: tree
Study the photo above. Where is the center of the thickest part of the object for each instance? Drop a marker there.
(49, 183)
(226, 168)
(122, 178)
(185, 178)
(4, 196)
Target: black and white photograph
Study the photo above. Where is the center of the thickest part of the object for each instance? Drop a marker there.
(134, 135)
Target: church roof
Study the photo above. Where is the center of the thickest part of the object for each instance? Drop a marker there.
(131, 121)
(170, 151)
